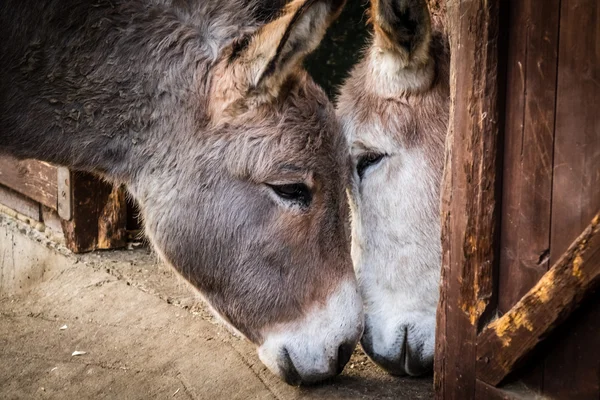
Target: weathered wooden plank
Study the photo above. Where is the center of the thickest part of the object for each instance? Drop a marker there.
(528, 149)
(507, 340)
(516, 391)
(572, 353)
(532, 50)
(20, 203)
(53, 222)
(572, 368)
(469, 194)
(34, 179)
(99, 215)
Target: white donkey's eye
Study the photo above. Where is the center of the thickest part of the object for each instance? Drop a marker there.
(367, 160)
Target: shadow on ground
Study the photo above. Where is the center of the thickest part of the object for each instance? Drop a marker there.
(145, 335)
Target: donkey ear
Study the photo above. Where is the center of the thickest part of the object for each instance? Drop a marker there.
(402, 27)
(279, 47)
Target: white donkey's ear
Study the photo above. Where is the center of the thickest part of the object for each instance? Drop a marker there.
(402, 27)
(257, 65)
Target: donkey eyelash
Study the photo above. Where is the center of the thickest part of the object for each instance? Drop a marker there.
(367, 160)
(297, 193)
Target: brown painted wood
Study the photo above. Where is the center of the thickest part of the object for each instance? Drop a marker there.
(507, 340)
(20, 203)
(529, 147)
(532, 49)
(572, 368)
(32, 178)
(99, 215)
(469, 195)
(510, 392)
(572, 362)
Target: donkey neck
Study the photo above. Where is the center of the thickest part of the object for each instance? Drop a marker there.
(108, 83)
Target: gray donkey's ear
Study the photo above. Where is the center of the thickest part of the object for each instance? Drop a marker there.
(279, 47)
(402, 27)
(259, 64)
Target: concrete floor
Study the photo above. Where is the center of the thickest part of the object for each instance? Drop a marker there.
(144, 334)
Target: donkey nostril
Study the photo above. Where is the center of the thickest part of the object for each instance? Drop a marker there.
(344, 354)
(290, 373)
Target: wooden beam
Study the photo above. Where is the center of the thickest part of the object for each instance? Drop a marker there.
(509, 339)
(532, 30)
(514, 391)
(20, 204)
(470, 195)
(99, 215)
(34, 179)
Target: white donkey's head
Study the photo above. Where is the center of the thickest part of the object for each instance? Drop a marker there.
(394, 111)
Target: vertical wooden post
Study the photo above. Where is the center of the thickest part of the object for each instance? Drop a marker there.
(99, 215)
(470, 195)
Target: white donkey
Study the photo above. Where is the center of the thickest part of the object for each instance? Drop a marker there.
(394, 111)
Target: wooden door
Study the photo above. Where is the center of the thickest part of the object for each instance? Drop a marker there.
(521, 196)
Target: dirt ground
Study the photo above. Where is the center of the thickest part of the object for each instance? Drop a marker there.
(146, 335)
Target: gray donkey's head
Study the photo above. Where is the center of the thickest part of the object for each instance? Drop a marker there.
(232, 151)
(251, 208)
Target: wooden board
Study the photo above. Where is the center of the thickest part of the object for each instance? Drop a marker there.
(516, 391)
(99, 215)
(572, 368)
(509, 339)
(469, 195)
(528, 148)
(19, 203)
(34, 179)
(532, 51)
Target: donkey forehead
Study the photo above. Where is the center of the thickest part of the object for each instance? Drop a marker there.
(315, 150)
(306, 128)
(300, 137)
(377, 124)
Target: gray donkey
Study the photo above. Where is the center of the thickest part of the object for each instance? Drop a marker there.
(232, 151)
(394, 110)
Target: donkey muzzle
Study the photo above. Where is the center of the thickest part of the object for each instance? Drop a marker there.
(408, 351)
(321, 344)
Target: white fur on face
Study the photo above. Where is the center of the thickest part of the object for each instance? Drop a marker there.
(389, 77)
(395, 245)
(313, 343)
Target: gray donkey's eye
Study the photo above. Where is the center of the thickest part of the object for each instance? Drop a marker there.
(296, 192)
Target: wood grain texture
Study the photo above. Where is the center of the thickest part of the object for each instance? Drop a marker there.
(532, 51)
(510, 392)
(32, 178)
(99, 216)
(528, 147)
(572, 368)
(469, 195)
(507, 340)
(19, 203)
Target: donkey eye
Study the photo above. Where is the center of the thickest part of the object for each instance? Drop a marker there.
(367, 160)
(296, 192)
